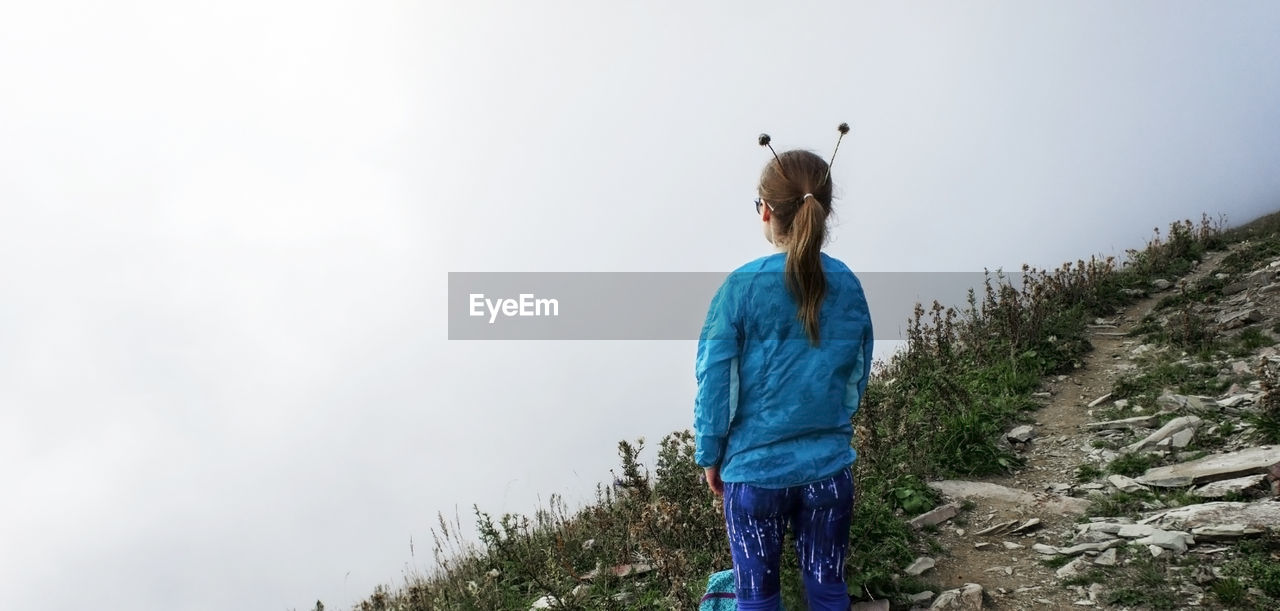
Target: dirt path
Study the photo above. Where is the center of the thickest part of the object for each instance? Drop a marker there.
(1013, 577)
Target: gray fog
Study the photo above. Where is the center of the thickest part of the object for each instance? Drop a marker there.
(226, 228)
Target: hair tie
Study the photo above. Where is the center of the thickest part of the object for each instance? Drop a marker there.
(807, 196)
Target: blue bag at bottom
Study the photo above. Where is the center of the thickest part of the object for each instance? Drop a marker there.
(720, 594)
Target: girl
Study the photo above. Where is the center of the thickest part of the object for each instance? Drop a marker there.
(782, 364)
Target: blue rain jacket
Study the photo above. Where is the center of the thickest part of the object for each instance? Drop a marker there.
(773, 410)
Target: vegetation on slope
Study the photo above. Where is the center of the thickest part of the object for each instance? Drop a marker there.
(937, 408)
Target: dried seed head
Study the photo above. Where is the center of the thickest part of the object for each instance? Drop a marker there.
(764, 141)
(844, 128)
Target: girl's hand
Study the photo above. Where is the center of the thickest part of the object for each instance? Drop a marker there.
(713, 481)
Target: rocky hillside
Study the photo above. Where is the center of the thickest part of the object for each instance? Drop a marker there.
(1151, 472)
(1101, 435)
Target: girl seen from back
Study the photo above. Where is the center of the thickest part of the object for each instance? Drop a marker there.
(782, 364)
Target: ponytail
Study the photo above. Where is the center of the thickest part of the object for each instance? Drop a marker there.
(798, 185)
(804, 276)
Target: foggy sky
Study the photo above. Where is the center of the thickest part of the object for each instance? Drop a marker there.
(225, 230)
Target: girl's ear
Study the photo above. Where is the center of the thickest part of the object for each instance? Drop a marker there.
(765, 213)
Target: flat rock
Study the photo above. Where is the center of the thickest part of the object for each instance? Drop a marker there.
(1054, 503)
(1219, 489)
(1172, 540)
(1126, 484)
(1011, 545)
(1173, 426)
(1111, 528)
(994, 528)
(1142, 422)
(967, 598)
(1075, 550)
(1099, 400)
(1134, 531)
(1021, 434)
(1221, 532)
(1073, 568)
(546, 602)
(1240, 318)
(1236, 400)
(1106, 558)
(1094, 536)
(1182, 438)
(1042, 548)
(921, 597)
(1262, 515)
(920, 565)
(1027, 526)
(1175, 401)
(1213, 468)
(938, 515)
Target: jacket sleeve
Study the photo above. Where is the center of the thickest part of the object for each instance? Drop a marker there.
(856, 387)
(716, 368)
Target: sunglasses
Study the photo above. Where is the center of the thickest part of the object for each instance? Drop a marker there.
(760, 202)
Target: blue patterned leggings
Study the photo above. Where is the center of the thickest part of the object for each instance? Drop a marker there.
(819, 516)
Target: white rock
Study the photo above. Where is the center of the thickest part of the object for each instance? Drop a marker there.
(1011, 545)
(921, 597)
(1134, 531)
(1171, 427)
(920, 565)
(1106, 558)
(1099, 400)
(1073, 568)
(1075, 550)
(1021, 434)
(1224, 487)
(1045, 502)
(1110, 528)
(967, 598)
(1182, 438)
(1168, 539)
(1236, 400)
(1026, 526)
(995, 528)
(1213, 467)
(1225, 531)
(936, 516)
(545, 602)
(1126, 484)
(1094, 536)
